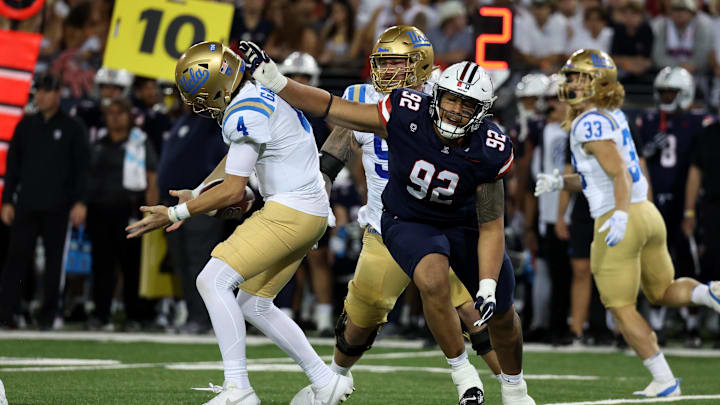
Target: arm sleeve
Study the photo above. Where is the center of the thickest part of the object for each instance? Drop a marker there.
(595, 126)
(81, 161)
(12, 165)
(242, 158)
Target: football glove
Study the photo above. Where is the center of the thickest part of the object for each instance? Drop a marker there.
(485, 300)
(657, 143)
(262, 68)
(547, 183)
(617, 224)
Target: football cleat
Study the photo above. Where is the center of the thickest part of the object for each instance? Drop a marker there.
(714, 289)
(656, 389)
(515, 394)
(3, 399)
(465, 379)
(336, 392)
(229, 393)
(473, 396)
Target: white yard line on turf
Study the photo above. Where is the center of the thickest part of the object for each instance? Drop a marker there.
(640, 401)
(261, 340)
(30, 361)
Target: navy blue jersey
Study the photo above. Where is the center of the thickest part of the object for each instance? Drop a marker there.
(429, 181)
(668, 164)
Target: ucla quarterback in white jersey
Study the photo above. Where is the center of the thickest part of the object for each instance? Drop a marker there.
(629, 249)
(271, 139)
(402, 57)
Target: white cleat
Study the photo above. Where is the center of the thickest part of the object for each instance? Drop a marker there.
(714, 289)
(336, 392)
(230, 394)
(656, 389)
(3, 398)
(465, 379)
(515, 394)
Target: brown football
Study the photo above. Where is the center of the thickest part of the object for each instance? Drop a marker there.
(236, 210)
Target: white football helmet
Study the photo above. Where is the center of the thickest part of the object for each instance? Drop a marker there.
(300, 63)
(467, 81)
(675, 78)
(553, 86)
(532, 85)
(114, 77)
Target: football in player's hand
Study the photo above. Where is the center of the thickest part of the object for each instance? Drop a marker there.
(236, 210)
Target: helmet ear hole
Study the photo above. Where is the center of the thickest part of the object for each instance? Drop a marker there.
(217, 95)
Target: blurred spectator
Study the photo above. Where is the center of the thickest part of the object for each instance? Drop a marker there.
(684, 39)
(338, 38)
(596, 35)
(614, 11)
(192, 150)
(110, 84)
(123, 164)
(81, 49)
(46, 178)
(293, 29)
(249, 24)
(541, 37)
(453, 39)
(632, 40)
(150, 113)
(715, 56)
(573, 13)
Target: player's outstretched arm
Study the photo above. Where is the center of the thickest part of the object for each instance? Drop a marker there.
(320, 103)
(335, 153)
(490, 206)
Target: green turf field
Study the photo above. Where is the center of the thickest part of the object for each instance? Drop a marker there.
(109, 372)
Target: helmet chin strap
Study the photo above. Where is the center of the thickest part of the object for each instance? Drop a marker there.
(669, 107)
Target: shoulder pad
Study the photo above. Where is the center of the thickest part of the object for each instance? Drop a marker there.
(595, 126)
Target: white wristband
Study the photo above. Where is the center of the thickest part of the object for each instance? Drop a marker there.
(178, 212)
(278, 84)
(487, 286)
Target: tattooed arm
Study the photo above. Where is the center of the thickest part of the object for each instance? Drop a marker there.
(490, 206)
(339, 146)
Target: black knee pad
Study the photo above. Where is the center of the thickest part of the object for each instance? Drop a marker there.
(481, 342)
(344, 346)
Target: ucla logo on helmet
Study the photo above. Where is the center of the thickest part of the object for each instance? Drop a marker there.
(599, 61)
(417, 39)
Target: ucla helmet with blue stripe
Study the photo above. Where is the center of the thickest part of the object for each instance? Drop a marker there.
(206, 75)
(401, 42)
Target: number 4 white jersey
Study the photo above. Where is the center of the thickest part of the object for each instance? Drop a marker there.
(374, 157)
(287, 167)
(598, 125)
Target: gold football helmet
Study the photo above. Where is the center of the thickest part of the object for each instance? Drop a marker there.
(598, 77)
(206, 75)
(401, 42)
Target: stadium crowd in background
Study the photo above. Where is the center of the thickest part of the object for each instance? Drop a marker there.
(115, 114)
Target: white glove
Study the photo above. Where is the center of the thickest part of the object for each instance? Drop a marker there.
(262, 68)
(617, 224)
(547, 183)
(485, 300)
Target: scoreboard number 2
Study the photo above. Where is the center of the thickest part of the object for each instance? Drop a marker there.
(504, 37)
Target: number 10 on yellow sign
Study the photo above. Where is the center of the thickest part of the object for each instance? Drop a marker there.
(147, 37)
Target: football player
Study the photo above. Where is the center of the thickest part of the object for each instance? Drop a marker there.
(275, 141)
(633, 253)
(667, 135)
(378, 280)
(443, 203)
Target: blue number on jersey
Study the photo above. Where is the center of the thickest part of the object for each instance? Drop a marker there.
(241, 127)
(574, 164)
(589, 127)
(382, 155)
(635, 168)
(303, 121)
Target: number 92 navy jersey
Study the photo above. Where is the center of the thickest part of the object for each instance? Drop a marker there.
(431, 182)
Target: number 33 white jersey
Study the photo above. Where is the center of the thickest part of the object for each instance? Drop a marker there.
(598, 125)
(374, 155)
(287, 167)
